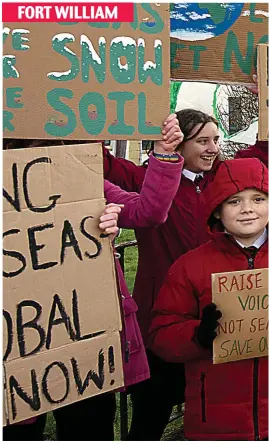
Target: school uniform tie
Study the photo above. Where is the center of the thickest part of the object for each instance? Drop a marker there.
(251, 250)
(198, 179)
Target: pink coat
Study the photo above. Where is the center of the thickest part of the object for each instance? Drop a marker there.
(144, 210)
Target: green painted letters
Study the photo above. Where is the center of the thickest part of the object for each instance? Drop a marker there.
(7, 117)
(149, 68)
(123, 47)
(93, 121)
(252, 16)
(6, 32)
(61, 128)
(99, 25)
(9, 70)
(173, 52)
(58, 43)
(159, 23)
(18, 40)
(89, 58)
(119, 126)
(196, 55)
(232, 47)
(143, 126)
(11, 95)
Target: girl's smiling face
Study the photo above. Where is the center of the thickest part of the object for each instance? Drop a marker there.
(200, 152)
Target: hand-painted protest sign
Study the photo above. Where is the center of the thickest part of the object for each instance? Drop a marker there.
(216, 42)
(242, 297)
(61, 310)
(263, 82)
(88, 80)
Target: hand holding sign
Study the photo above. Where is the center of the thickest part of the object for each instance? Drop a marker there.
(254, 88)
(243, 298)
(172, 136)
(206, 333)
(109, 220)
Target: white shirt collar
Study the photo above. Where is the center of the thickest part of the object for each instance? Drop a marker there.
(190, 175)
(258, 242)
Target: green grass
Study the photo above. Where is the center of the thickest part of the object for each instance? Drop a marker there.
(130, 258)
(174, 430)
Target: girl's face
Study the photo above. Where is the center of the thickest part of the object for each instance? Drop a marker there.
(245, 215)
(200, 152)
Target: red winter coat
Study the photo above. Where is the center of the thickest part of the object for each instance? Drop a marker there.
(224, 401)
(159, 247)
(184, 229)
(147, 209)
(259, 150)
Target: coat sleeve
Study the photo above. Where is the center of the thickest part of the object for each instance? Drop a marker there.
(175, 317)
(150, 207)
(123, 172)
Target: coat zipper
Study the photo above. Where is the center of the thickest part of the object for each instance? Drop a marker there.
(202, 379)
(198, 189)
(255, 380)
(250, 263)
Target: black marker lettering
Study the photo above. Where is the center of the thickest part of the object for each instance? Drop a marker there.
(30, 324)
(64, 319)
(45, 389)
(34, 247)
(77, 323)
(33, 402)
(97, 379)
(15, 202)
(72, 242)
(8, 320)
(25, 187)
(91, 238)
(15, 255)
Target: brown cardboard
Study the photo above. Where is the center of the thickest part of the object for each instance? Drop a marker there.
(263, 83)
(34, 114)
(68, 280)
(251, 26)
(242, 297)
(73, 372)
(4, 412)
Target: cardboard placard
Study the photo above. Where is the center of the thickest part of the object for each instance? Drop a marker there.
(61, 309)
(216, 42)
(88, 80)
(242, 297)
(263, 83)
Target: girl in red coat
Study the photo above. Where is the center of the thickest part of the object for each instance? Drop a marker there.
(226, 401)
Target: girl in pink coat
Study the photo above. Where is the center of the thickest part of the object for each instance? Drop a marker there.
(93, 418)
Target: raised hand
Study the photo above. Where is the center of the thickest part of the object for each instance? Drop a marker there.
(172, 136)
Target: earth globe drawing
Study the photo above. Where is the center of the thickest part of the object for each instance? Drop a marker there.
(202, 21)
